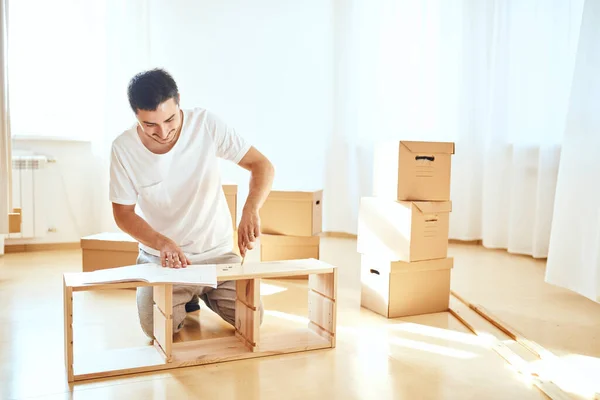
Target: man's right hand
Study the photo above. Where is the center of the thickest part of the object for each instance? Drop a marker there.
(171, 255)
(129, 222)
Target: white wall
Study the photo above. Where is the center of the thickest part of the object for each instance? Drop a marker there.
(266, 67)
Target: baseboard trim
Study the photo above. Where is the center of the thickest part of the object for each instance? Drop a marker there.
(346, 235)
(24, 248)
(473, 242)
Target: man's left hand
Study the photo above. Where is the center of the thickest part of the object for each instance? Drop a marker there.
(248, 230)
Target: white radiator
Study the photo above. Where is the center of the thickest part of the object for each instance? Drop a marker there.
(30, 194)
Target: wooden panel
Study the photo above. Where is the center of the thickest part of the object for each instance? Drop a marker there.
(163, 332)
(247, 293)
(247, 325)
(321, 312)
(163, 298)
(247, 316)
(200, 352)
(163, 318)
(274, 269)
(325, 284)
(68, 325)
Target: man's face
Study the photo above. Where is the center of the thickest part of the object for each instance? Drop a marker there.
(161, 124)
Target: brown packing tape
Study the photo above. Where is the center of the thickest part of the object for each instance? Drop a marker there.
(429, 147)
(433, 207)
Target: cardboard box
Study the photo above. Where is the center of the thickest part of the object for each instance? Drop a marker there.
(403, 230)
(279, 247)
(108, 250)
(14, 221)
(413, 171)
(399, 289)
(292, 213)
(230, 191)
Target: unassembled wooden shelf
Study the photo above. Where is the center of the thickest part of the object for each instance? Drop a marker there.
(248, 342)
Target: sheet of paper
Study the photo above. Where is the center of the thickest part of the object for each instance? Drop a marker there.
(205, 275)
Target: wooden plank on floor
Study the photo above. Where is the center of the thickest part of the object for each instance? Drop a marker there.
(498, 342)
(186, 354)
(515, 335)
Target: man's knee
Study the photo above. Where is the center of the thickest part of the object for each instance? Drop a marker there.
(145, 303)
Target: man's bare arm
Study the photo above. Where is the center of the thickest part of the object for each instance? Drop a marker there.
(261, 178)
(261, 181)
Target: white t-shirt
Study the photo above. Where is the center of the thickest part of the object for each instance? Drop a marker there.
(179, 193)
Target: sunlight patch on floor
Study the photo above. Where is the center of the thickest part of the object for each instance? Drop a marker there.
(286, 316)
(267, 289)
(574, 373)
(432, 348)
(441, 333)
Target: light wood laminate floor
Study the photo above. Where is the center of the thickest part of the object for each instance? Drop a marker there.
(423, 357)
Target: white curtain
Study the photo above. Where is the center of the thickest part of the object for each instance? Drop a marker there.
(5, 137)
(492, 76)
(574, 256)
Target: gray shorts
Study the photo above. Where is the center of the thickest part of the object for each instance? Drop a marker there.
(220, 300)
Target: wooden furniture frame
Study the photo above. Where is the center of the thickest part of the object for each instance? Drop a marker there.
(249, 341)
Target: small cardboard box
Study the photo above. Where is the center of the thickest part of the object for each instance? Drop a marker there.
(413, 171)
(403, 230)
(230, 191)
(279, 247)
(15, 221)
(108, 250)
(292, 213)
(399, 289)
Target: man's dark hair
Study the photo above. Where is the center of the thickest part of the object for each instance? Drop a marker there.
(148, 89)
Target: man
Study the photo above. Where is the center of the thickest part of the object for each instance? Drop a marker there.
(167, 165)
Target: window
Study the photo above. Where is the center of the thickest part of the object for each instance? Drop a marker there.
(56, 68)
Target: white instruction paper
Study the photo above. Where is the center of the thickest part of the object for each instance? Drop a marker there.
(205, 275)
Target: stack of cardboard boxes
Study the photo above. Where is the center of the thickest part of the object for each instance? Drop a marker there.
(291, 222)
(403, 230)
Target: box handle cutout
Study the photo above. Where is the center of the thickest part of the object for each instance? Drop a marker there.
(318, 202)
(374, 271)
(428, 158)
(431, 220)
